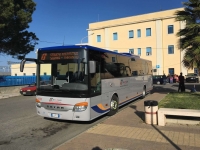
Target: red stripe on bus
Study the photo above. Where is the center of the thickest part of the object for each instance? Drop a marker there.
(57, 103)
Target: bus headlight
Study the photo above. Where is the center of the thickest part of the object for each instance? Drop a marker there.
(80, 107)
(38, 104)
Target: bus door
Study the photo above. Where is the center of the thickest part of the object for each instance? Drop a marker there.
(95, 86)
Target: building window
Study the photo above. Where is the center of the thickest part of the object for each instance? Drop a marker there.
(45, 73)
(115, 51)
(24, 74)
(115, 37)
(148, 31)
(148, 51)
(196, 71)
(33, 74)
(170, 29)
(138, 33)
(131, 34)
(170, 49)
(171, 71)
(131, 51)
(113, 59)
(15, 74)
(139, 51)
(98, 38)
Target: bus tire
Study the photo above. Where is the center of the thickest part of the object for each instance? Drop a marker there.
(144, 92)
(113, 105)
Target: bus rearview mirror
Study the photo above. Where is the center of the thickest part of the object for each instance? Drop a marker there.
(24, 61)
(92, 66)
(22, 65)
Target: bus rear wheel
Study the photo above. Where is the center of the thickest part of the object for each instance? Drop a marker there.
(113, 105)
(144, 92)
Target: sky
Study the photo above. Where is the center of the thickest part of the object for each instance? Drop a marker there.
(58, 22)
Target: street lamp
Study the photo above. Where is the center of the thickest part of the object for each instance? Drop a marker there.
(86, 37)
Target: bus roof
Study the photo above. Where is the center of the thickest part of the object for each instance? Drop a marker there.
(85, 47)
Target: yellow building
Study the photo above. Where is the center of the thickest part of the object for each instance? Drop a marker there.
(30, 69)
(152, 36)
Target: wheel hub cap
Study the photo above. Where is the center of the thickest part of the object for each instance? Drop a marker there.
(113, 105)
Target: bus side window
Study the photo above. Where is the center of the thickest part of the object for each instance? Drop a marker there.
(96, 80)
(134, 73)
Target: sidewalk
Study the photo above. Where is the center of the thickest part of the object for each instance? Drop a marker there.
(127, 130)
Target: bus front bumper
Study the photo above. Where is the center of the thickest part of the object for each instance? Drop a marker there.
(63, 115)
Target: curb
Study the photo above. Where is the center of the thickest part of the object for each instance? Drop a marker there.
(4, 96)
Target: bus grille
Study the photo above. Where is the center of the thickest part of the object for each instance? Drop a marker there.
(55, 107)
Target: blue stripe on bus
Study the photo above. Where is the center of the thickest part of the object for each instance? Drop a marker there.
(130, 100)
(97, 109)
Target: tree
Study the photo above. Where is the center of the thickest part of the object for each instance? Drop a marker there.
(15, 15)
(190, 35)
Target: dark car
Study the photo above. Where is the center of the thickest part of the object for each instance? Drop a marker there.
(28, 90)
(192, 77)
(158, 79)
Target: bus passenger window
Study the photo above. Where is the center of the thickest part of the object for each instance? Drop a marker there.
(96, 80)
(134, 73)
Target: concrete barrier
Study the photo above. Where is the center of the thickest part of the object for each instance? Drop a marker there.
(6, 92)
(162, 112)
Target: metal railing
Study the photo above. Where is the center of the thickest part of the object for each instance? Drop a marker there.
(20, 80)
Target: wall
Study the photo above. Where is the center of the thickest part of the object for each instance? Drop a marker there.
(29, 69)
(158, 41)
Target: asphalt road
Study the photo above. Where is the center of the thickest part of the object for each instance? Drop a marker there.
(21, 128)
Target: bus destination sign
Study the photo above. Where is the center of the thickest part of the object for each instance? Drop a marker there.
(59, 56)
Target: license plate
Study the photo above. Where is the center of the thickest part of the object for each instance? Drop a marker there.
(55, 115)
(24, 92)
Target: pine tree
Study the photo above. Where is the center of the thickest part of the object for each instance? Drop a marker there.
(15, 16)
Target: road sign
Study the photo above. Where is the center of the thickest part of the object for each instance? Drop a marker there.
(157, 66)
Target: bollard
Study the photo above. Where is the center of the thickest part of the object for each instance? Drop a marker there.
(150, 108)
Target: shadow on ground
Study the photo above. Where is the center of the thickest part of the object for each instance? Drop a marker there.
(142, 116)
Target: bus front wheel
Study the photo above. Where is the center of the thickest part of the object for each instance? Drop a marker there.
(113, 105)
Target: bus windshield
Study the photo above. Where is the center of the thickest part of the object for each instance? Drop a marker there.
(68, 75)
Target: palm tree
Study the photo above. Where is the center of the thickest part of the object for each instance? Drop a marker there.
(190, 35)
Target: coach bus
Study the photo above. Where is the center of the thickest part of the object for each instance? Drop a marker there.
(86, 82)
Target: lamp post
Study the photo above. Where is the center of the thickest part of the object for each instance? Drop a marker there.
(36, 52)
(86, 37)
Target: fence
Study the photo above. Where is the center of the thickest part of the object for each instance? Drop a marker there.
(20, 80)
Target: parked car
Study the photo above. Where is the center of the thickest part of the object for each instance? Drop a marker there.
(28, 90)
(192, 77)
(158, 79)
